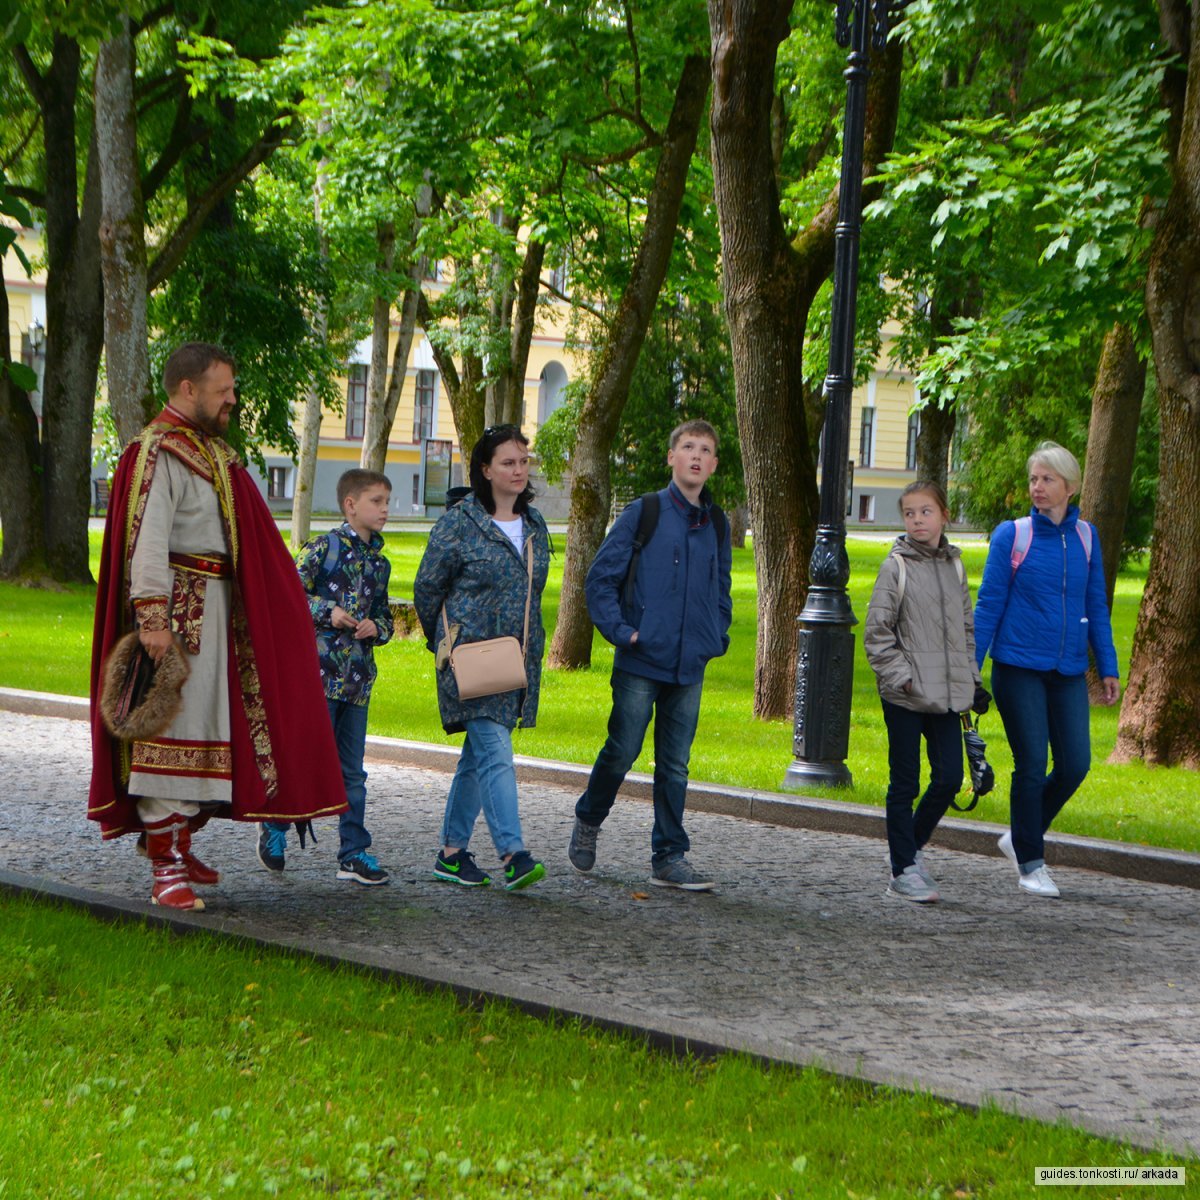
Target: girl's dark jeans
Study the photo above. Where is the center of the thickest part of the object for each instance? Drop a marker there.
(908, 831)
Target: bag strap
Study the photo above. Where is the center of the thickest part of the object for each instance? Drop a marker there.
(647, 524)
(528, 595)
(1022, 540)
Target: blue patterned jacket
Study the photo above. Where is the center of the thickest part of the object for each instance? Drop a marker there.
(471, 566)
(339, 568)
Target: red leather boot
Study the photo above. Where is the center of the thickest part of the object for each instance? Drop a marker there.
(172, 888)
(198, 872)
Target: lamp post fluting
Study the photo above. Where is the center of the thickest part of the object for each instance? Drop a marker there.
(825, 663)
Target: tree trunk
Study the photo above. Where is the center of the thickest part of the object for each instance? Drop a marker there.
(464, 391)
(601, 412)
(75, 298)
(74, 322)
(24, 551)
(1158, 717)
(381, 333)
(310, 429)
(739, 523)
(769, 289)
(380, 420)
(1112, 441)
(122, 237)
(933, 443)
(510, 392)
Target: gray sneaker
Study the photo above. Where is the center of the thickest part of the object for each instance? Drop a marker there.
(922, 867)
(582, 849)
(681, 874)
(910, 886)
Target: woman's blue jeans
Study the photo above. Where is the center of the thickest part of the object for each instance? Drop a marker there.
(1044, 714)
(485, 779)
(676, 712)
(907, 831)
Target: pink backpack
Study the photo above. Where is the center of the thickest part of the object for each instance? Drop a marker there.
(1023, 539)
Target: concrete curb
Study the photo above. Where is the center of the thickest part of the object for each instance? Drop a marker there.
(1175, 867)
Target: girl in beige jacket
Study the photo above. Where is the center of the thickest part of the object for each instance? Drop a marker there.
(920, 642)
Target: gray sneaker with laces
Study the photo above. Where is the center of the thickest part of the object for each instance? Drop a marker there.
(911, 886)
(582, 849)
(681, 874)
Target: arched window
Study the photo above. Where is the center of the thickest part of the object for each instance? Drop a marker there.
(550, 390)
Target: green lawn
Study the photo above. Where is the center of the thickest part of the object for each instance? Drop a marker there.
(45, 644)
(280, 1077)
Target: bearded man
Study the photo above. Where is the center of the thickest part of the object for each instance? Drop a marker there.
(192, 558)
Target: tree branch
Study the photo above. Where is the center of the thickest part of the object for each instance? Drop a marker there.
(34, 80)
(171, 252)
(20, 146)
(29, 195)
(177, 142)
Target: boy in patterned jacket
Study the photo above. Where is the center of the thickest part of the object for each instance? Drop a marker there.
(345, 576)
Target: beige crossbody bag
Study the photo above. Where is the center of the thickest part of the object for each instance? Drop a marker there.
(497, 665)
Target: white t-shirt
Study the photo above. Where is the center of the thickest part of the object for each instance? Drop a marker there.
(513, 531)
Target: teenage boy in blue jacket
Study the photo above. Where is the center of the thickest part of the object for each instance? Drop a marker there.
(678, 619)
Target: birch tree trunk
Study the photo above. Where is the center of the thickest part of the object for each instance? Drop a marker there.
(310, 428)
(381, 419)
(122, 237)
(601, 412)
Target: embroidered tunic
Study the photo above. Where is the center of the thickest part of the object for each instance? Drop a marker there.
(190, 760)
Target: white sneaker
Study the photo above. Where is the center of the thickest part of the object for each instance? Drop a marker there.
(1006, 848)
(1039, 883)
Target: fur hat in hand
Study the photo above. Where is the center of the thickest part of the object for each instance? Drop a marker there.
(139, 700)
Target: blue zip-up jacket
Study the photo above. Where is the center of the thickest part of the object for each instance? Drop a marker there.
(1044, 615)
(682, 606)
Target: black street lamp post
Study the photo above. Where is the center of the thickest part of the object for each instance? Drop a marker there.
(825, 665)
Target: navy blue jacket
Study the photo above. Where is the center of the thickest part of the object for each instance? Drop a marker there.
(682, 606)
(1044, 615)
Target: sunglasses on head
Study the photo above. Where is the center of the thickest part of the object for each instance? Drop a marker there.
(492, 430)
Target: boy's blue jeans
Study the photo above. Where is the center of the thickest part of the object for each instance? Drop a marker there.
(907, 831)
(484, 779)
(676, 711)
(350, 734)
(1044, 714)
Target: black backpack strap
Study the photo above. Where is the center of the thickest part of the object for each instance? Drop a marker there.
(716, 514)
(647, 524)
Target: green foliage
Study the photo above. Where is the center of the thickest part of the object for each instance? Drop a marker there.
(684, 373)
(251, 284)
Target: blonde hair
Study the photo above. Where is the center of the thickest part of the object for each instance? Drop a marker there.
(1060, 460)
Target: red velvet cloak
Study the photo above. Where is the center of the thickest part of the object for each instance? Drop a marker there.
(285, 761)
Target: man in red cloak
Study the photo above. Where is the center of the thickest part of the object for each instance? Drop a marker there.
(192, 557)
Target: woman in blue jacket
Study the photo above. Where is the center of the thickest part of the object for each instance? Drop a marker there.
(1041, 605)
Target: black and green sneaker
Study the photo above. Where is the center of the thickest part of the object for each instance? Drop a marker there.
(521, 870)
(460, 868)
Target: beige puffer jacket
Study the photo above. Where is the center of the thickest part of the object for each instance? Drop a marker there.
(922, 647)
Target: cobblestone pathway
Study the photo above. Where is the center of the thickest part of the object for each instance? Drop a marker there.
(1085, 1009)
